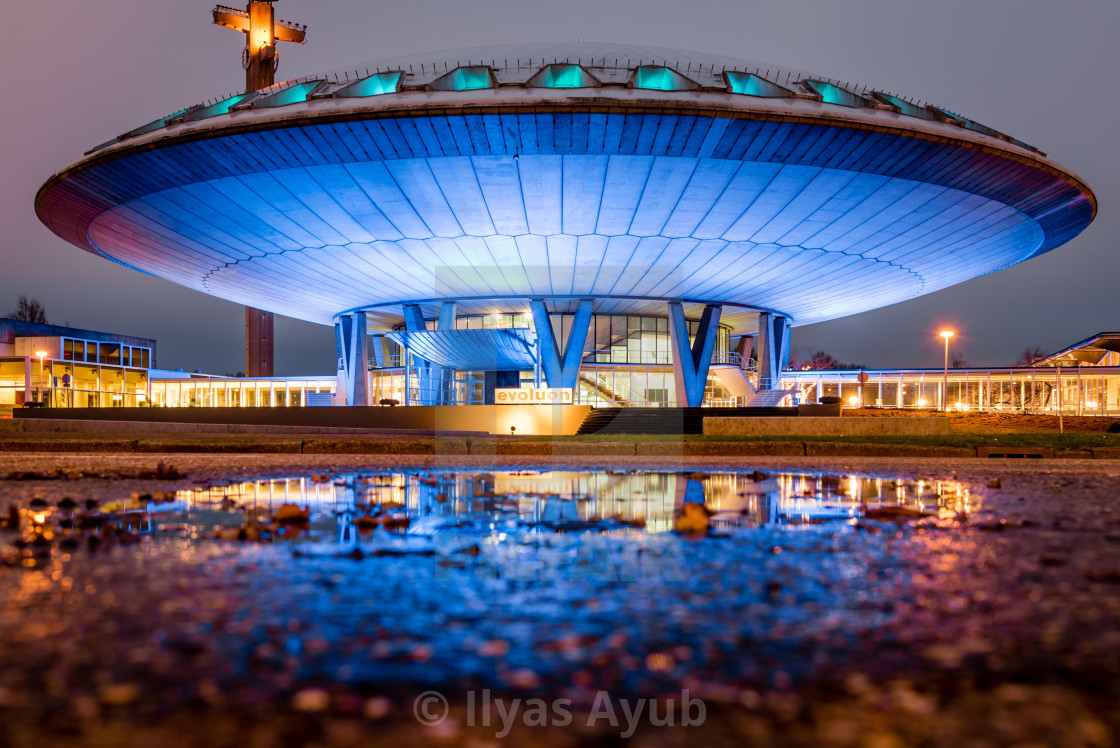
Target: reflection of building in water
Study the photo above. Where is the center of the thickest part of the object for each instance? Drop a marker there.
(559, 498)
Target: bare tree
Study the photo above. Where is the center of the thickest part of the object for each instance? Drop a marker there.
(1030, 356)
(29, 310)
(957, 362)
(817, 360)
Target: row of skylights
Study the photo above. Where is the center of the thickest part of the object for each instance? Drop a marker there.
(566, 76)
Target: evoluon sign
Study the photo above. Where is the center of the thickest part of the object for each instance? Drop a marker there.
(533, 395)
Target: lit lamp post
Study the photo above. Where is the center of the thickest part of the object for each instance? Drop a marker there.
(41, 355)
(945, 382)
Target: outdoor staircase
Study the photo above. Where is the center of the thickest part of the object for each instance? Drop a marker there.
(665, 420)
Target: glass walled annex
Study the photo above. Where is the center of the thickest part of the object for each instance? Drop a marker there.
(76, 373)
(627, 362)
(1072, 390)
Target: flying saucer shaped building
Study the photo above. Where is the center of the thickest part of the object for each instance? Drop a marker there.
(613, 217)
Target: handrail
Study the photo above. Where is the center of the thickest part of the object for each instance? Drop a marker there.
(735, 359)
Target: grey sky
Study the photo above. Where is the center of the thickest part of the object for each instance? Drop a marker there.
(79, 73)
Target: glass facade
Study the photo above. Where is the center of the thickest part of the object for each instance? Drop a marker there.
(240, 393)
(627, 362)
(70, 384)
(1082, 391)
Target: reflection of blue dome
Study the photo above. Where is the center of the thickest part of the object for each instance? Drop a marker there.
(629, 174)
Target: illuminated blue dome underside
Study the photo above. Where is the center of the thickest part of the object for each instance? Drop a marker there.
(813, 220)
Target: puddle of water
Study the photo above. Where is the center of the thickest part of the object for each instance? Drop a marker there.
(355, 509)
(561, 572)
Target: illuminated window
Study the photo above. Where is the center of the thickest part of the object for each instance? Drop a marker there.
(374, 85)
(831, 94)
(296, 93)
(154, 125)
(661, 79)
(465, 79)
(562, 76)
(752, 85)
(968, 124)
(221, 107)
(905, 107)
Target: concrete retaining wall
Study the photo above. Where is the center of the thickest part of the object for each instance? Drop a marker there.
(810, 426)
(527, 420)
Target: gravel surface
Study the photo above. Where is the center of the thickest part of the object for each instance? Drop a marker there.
(995, 626)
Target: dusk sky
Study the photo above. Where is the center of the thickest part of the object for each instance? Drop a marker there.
(80, 73)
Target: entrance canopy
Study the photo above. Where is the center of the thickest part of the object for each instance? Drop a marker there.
(512, 349)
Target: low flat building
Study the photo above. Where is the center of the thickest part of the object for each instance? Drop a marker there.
(70, 367)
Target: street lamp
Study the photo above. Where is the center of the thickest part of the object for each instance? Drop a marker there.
(41, 355)
(945, 382)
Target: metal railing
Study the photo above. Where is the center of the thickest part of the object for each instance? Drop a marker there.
(734, 359)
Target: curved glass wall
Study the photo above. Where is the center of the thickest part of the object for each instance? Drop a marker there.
(627, 362)
(611, 338)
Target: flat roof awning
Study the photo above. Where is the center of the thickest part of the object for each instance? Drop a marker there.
(512, 349)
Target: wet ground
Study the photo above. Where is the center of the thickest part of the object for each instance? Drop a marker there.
(860, 602)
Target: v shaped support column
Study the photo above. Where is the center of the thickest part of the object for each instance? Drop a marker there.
(561, 370)
(691, 362)
(773, 349)
(433, 389)
(352, 344)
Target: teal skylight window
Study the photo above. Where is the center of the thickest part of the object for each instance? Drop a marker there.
(374, 85)
(469, 78)
(298, 92)
(221, 107)
(831, 94)
(563, 76)
(912, 110)
(661, 79)
(154, 125)
(968, 124)
(752, 85)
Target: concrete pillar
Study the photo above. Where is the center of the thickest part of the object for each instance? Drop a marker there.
(561, 369)
(342, 351)
(773, 349)
(352, 345)
(414, 322)
(446, 316)
(691, 362)
(443, 376)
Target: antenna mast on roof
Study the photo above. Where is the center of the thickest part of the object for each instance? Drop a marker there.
(262, 31)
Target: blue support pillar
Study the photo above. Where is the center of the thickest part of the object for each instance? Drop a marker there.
(773, 349)
(442, 376)
(561, 370)
(446, 316)
(413, 318)
(352, 345)
(691, 362)
(414, 322)
(433, 389)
